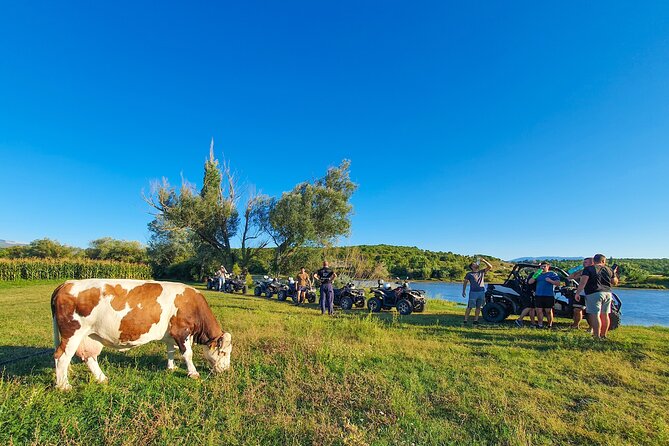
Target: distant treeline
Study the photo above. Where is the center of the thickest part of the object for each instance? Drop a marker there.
(183, 260)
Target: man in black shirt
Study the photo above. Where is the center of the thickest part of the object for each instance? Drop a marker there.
(597, 281)
(326, 276)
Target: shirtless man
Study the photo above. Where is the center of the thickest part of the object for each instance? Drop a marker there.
(303, 285)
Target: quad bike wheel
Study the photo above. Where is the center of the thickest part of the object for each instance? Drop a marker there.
(281, 296)
(346, 303)
(404, 307)
(268, 294)
(374, 304)
(360, 302)
(494, 312)
(419, 308)
(311, 297)
(257, 291)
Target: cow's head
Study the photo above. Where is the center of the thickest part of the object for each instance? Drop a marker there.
(218, 353)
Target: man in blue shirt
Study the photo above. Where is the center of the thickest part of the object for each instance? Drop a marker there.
(544, 299)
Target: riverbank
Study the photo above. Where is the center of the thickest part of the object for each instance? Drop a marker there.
(355, 379)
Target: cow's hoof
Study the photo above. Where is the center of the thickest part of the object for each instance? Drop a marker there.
(64, 387)
(103, 379)
(194, 375)
(172, 369)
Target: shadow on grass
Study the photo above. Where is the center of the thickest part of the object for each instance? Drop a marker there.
(21, 361)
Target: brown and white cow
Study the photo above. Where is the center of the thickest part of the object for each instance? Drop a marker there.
(122, 314)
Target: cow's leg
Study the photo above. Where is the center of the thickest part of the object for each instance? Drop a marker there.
(171, 348)
(88, 351)
(187, 353)
(63, 356)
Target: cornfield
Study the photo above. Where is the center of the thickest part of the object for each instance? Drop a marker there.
(46, 269)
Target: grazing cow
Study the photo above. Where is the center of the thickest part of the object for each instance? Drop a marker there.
(122, 314)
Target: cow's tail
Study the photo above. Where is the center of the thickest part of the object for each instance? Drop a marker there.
(56, 331)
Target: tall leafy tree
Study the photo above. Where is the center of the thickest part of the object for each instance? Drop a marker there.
(312, 214)
(211, 214)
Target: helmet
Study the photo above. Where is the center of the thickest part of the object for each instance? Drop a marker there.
(386, 286)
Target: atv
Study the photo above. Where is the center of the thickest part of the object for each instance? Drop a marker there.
(349, 295)
(266, 286)
(290, 290)
(235, 283)
(403, 298)
(504, 299)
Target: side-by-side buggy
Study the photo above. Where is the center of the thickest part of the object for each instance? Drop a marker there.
(503, 300)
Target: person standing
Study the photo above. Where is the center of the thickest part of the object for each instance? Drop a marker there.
(326, 276)
(544, 296)
(222, 274)
(578, 301)
(476, 280)
(303, 285)
(597, 281)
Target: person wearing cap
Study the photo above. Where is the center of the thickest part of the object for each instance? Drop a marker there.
(475, 278)
(222, 274)
(544, 299)
(326, 276)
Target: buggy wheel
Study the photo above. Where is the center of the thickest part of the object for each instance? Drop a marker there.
(346, 303)
(257, 291)
(374, 304)
(615, 321)
(404, 307)
(281, 296)
(244, 290)
(494, 312)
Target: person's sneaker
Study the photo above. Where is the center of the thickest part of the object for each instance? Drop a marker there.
(533, 326)
(519, 323)
(540, 325)
(475, 322)
(464, 323)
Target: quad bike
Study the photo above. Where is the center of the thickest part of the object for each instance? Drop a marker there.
(403, 298)
(348, 295)
(235, 283)
(267, 287)
(290, 290)
(505, 299)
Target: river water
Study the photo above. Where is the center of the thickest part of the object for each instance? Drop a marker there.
(640, 307)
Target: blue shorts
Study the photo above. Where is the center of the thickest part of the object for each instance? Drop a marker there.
(476, 299)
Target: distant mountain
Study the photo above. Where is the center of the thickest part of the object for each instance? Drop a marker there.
(537, 259)
(8, 243)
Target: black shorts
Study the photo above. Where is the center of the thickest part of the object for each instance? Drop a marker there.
(544, 301)
(526, 302)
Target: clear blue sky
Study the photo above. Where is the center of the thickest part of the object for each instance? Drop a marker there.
(510, 129)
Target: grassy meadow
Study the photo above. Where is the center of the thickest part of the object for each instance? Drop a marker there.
(354, 379)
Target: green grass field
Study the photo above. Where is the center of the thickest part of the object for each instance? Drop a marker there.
(355, 379)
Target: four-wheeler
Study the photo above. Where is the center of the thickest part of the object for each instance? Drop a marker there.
(349, 295)
(266, 286)
(403, 298)
(235, 283)
(504, 299)
(213, 282)
(290, 290)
